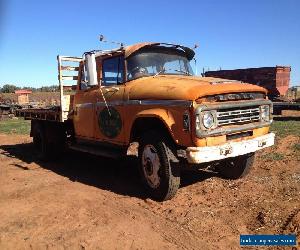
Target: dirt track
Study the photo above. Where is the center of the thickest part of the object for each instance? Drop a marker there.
(88, 202)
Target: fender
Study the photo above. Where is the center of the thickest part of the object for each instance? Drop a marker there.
(164, 115)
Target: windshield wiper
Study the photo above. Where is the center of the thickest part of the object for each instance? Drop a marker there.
(177, 70)
(159, 72)
(182, 71)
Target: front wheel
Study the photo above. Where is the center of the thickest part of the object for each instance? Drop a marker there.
(158, 166)
(235, 168)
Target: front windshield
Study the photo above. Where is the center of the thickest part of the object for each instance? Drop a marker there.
(153, 62)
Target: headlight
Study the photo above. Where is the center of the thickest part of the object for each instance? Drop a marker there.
(208, 119)
(265, 113)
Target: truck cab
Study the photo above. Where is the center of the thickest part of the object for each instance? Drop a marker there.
(145, 99)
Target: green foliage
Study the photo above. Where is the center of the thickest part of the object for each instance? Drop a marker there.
(296, 147)
(296, 151)
(273, 156)
(8, 88)
(15, 126)
(53, 88)
(284, 128)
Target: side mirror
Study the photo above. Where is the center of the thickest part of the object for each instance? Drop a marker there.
(90, 63)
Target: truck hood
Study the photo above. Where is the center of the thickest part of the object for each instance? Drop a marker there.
(164, 87)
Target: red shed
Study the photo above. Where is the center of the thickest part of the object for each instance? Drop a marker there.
(23, 96)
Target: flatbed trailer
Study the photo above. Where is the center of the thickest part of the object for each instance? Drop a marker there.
(279, 106)
(47, 114)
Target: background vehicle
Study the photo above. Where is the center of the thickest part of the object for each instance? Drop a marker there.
(275, 79)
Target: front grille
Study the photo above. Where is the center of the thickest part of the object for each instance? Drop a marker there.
(233, 116)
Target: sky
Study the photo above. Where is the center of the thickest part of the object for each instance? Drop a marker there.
(231, 34)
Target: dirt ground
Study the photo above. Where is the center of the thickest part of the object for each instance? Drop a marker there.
(86, 202)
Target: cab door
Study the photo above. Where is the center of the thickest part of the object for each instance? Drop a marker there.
(84, 107)
(109, 107)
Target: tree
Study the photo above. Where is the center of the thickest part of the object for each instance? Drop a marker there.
(9, 88)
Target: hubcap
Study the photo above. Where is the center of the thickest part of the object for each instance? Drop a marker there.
(151, 166)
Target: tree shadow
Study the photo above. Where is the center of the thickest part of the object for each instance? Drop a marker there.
(118, 176)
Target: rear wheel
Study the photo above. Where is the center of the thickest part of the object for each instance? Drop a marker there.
(158, 166)
(39, 142)
(47, 140)
(237, 167)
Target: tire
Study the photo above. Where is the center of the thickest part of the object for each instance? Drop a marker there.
(39, 142)
(48, 149)
(235, 168)
(157, 154)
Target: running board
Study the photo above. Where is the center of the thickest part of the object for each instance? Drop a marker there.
(99, 151)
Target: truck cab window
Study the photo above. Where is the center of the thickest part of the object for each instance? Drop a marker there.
(113, 71)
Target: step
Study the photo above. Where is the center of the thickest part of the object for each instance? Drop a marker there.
(97, 150)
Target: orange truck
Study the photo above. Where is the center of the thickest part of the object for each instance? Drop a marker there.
(145, 99)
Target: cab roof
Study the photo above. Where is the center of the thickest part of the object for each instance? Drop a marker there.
(129, 50)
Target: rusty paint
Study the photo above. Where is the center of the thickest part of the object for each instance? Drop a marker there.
(183, 88)
(135, 47)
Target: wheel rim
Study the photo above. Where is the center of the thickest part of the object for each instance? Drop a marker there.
(151, 166)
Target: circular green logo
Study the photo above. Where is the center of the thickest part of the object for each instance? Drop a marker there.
(110, 122)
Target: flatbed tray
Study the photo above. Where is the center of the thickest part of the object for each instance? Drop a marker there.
(49, 114)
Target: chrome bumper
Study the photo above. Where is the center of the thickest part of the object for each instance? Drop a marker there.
(197, 155)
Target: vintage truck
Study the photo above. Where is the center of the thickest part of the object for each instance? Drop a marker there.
(146, 95)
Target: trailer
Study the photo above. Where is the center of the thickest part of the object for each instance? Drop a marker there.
(8, 110)
(46, 114)
(278, 107)
(275, 79)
